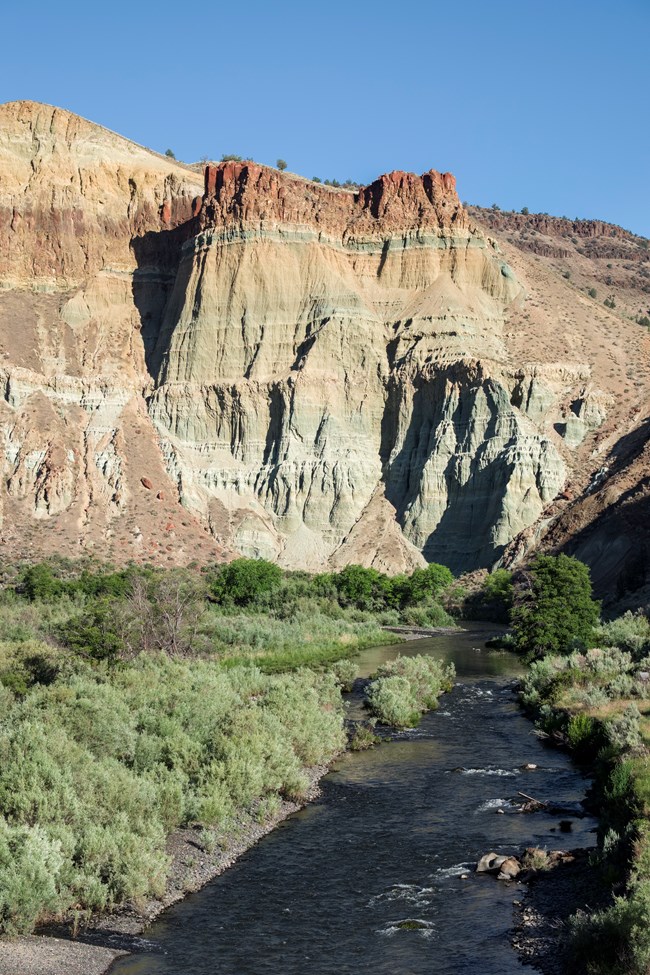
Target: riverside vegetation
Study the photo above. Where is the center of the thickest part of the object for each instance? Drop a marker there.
(588, 687)
(137, 701)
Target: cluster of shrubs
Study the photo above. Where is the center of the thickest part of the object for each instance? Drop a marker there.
(404, 688)
(593, 700)
(98, 767)
(246, 609)
(136, 701)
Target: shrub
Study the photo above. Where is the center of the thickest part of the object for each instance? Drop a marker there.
(363, 736)
(103, 763)
(30, 875)
(94, 632)
(616, 940)
(281, 164)
(580, 732)
(430, 615)
(629, 632)
(39, 582)
(426, 583)
(624, 730)
(553, 606)
(344, 672)
(496, 596)
(356, 584)
(592, 293)
(405, 687)
(392, 701)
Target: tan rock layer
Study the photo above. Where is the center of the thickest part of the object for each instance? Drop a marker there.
(310, 374)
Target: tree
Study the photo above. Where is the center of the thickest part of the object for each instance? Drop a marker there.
(357, 585)
(281, 164)
(525, 211)
(243, 581)
(554, 609)
(427, 583)
(170, 153)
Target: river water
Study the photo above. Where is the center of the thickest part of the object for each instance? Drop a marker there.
(387, 843)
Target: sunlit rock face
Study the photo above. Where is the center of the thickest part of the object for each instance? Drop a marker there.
(325, 355)
(313, 375)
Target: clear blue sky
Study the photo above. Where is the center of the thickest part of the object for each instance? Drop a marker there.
(534, 103)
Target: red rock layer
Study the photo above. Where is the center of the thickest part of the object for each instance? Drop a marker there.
(246, 193)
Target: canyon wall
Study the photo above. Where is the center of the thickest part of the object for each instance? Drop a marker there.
(196, 364)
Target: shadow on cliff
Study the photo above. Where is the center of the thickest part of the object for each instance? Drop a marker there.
(628, 447)
(616, 546)
(159, 275)
(473, 497)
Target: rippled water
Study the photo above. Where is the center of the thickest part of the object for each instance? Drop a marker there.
(368, 879)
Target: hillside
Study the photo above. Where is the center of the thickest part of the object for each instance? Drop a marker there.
(248, 361)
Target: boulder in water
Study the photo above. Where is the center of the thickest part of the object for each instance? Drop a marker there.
(510, 869)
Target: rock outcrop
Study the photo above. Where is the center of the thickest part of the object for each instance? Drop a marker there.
(275, 367)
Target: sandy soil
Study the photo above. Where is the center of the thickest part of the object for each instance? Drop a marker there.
(35, 955)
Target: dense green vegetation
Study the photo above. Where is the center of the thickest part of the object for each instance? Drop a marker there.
(96, 768)
(136, 701)
(553, 609)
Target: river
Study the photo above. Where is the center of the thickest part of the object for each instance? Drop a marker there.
(388, 842)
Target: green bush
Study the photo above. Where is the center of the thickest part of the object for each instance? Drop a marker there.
(630, 632)
(106, 762)
(39, 582)
(30, 872)
(392, 701)
(402, 689)
(426, 583)
(244, 581)
(623, 730)
(554, 609)
(580, 731)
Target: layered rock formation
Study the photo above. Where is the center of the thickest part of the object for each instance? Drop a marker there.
(308, 374)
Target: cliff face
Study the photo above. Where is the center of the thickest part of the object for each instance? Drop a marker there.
(308, 374)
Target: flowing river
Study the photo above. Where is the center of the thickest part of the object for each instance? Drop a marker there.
(388, 842)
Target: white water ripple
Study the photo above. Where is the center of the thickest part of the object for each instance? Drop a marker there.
(411, 893)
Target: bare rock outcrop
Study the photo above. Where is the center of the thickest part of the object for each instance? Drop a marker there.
(313, 375)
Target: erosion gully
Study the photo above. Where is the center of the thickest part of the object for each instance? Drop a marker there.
(389, 841)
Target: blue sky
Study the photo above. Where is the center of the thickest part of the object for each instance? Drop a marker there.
(532, 103)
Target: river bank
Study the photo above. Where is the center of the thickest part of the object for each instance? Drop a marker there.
(194, 866)
(540, 935)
